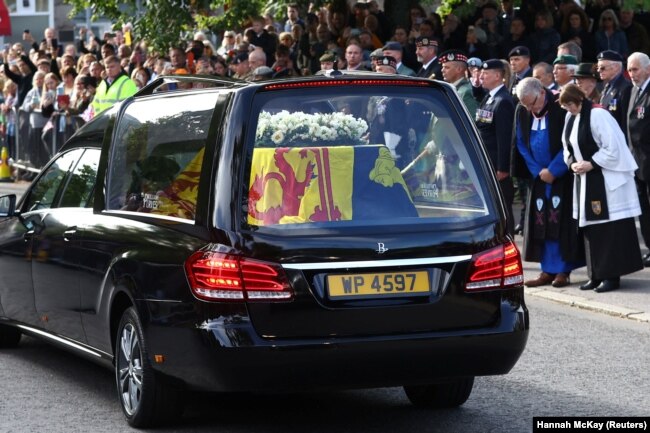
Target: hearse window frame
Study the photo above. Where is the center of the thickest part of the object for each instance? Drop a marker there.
(62, 183)
(208, 140)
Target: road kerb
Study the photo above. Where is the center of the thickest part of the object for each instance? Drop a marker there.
(587, 304)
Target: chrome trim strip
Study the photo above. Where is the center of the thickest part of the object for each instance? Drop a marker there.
(114, 212)
(60, 340)
(376, 263)
(171, 301)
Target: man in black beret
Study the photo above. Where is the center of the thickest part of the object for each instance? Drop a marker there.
(519, 58)
(426, 49)
(494, 119)
(241, 67)
(610, 68)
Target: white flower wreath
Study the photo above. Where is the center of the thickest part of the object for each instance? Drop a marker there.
(302, 129)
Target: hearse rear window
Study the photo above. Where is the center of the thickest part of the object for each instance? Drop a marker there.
(356, 155)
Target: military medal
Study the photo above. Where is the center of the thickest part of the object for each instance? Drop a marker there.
(640, 112)
(612, 105)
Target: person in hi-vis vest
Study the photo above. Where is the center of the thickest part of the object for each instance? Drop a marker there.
(117, 86)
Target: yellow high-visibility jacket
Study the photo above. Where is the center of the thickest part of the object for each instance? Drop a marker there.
(106, 96)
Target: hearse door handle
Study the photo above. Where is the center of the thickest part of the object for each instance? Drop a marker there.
(69, 234)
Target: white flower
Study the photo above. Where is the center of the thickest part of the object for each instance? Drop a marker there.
(303, 129)
(277, 137)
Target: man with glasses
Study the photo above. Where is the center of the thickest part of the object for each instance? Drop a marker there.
(550, 233)
(564, 66)
(610, 68)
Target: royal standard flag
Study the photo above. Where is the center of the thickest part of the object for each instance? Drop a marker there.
(179, 198)
(319, 184)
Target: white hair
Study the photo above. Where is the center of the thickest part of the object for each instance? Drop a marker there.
(641, 58)
(528, 86)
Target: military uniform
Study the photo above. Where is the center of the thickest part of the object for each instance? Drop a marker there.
(433, 69)
(638, 136)
(612, 98)
(494, 120)
(402, 69)
(519, 51)
(463, 86)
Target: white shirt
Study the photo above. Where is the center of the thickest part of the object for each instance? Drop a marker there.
(493, 92)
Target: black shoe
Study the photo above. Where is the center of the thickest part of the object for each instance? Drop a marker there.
(646, 260)
(608, 285)
(519, 230)
(590, 285)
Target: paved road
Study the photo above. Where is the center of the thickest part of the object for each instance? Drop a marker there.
(577, 363)
(632, 301)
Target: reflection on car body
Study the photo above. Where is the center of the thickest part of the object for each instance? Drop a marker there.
(233, 236)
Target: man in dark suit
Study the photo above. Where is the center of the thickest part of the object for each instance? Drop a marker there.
(638, 136)
(426, 49)
(610, 67)
(494, 120)
(519, 58)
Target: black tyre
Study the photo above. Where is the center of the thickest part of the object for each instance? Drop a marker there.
(447, 394)
(145, 399)
(9, 336)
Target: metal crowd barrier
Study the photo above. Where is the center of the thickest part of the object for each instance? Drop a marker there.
(27, 150)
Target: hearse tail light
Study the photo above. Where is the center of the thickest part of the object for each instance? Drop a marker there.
(226, 277)
(497, 268)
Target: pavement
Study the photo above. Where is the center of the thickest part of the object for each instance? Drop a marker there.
(631, 301)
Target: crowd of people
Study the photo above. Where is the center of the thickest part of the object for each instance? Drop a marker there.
(558, 91)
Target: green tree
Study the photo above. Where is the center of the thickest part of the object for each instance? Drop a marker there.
(160, 22)
(163, 23)
(234, 15)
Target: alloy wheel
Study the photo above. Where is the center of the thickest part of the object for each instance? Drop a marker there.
(130, 372)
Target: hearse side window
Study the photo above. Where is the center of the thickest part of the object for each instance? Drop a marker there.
(155, 160)
(79, 188)
(359, 155)
(44, 192)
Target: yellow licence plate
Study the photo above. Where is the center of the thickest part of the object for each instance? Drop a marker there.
(384, 284)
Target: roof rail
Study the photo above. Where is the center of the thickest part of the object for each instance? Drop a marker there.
(167, 83)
